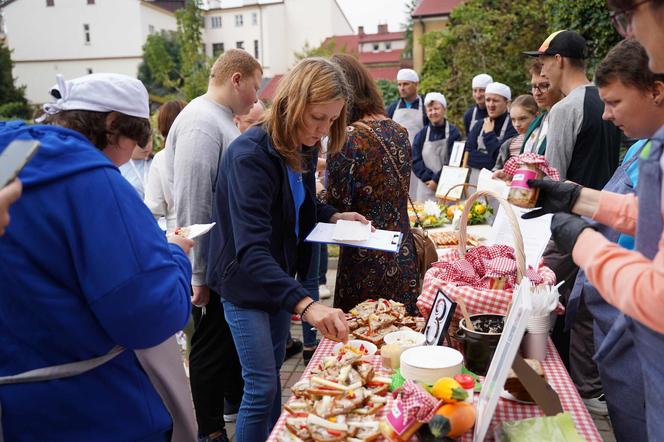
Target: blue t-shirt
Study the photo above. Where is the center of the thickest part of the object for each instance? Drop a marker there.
(627, 241)
(297, 190)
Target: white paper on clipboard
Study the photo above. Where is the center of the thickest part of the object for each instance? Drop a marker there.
(536, 233)
(386, 240)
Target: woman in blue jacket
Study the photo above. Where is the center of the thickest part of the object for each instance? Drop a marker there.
(264, 207)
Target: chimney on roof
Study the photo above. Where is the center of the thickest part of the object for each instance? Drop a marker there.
(360, 30)
(382, 29)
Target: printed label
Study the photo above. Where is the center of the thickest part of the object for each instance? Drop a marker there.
(396, 418)
(521, 177)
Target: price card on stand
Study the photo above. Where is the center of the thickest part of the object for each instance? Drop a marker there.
(456, 157)
(450, 177)
(439, 320)
(510, 340)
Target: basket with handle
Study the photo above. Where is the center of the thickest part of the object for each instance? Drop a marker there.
(465, 186)
(478, 299)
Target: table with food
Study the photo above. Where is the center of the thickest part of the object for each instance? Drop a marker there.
(384, 384)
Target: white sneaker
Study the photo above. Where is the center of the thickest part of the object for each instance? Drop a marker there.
(324, 292)
(597, 405)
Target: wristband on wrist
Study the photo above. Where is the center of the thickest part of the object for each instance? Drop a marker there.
(304, 311)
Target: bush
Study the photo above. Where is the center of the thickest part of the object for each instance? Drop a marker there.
(15, 109)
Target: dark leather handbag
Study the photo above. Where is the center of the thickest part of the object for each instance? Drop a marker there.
(424, 245)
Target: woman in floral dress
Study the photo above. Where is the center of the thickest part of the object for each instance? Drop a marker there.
(362, 178)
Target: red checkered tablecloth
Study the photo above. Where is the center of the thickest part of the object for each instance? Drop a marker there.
(506, 410)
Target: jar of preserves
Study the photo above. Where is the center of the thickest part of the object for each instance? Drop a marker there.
(521, 194)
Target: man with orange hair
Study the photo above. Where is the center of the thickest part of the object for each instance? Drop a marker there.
(195, 143)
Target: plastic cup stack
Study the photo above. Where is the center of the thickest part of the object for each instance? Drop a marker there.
(534, 342)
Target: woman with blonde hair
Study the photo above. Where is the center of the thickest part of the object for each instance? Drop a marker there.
(264, 207)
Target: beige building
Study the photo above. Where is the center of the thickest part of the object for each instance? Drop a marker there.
(271, 30)
(429, 15)
(78, 37)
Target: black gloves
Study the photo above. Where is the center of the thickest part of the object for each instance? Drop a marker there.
(554, 196)
(565, 230)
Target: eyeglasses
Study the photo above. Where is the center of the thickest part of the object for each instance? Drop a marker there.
(622, 20)
(541, 87)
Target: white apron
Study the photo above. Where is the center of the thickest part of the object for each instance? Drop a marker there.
(411, 119)
(435, 155)
(475, 173)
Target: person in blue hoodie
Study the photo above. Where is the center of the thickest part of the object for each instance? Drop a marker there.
(264, 207)
(484, 140)
(8, 195)
(84, 268)
(432, 147)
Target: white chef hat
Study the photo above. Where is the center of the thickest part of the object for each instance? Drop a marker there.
(408, 75)
(100, 93)
(499, 89)
(435, 96)
(481, 81)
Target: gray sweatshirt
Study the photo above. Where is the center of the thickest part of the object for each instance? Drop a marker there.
(579, 143)
(199, 135)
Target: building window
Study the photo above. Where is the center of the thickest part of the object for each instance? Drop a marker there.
(256, 49)
(91, 2)
(254, 18)
(217, 49)
(388, 46)
(376, 47)
(150, 29)
(86, 34)
(50, 2)
(89, 71)
(215, 21)
(239, 44)
(239, 20)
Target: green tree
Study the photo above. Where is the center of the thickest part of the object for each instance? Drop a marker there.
(13, 103)
(482, 36)
(160, 69)
(194, 64)
(589, 18)
(389, 91)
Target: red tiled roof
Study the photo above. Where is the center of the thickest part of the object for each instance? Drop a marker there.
(386, 36)
(270, 88)
(388, 73)
(381, 57)
(344, 43)
(428, 8)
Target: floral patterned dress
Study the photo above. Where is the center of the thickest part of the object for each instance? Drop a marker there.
(361, 179)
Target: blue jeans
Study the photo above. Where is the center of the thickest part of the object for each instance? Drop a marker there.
(322, 265)
(257, 335)
(310, 284)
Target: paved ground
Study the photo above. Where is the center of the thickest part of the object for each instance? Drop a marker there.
(293, 368)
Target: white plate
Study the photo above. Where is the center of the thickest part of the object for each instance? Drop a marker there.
(507, 395)
(196, 230)
(431, 357)
(371, 348)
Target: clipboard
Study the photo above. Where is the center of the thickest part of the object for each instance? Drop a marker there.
(384, 240)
